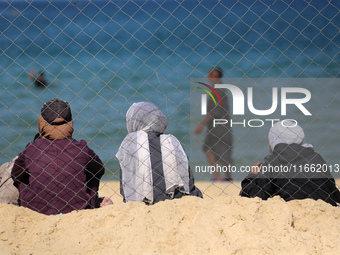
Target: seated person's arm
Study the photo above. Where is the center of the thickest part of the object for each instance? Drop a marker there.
(19, 173)
(95, 165)
(256, 184)
(194, 191)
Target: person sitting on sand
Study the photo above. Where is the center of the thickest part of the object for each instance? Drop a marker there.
(296, 179)
(154, 165)
(56, 173)
(8, 193)
(40, 80)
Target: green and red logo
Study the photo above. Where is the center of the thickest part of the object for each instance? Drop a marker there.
(209, 93)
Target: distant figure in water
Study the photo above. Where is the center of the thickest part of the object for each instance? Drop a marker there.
(38, 80)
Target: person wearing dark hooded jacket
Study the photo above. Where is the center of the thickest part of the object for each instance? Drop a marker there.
(287, 172)
(56, 173)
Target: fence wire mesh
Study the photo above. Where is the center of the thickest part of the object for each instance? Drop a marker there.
(103, 56)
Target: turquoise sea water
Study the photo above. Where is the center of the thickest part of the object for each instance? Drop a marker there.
(102, 56)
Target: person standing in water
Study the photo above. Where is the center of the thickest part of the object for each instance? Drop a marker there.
(217, 143)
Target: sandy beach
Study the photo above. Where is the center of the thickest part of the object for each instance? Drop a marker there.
(221, 223)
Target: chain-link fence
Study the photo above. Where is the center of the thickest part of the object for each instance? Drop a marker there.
(103, 56)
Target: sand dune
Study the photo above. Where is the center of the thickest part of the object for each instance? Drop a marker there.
(226, 224)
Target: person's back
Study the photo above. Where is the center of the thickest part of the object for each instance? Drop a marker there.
(154, 166)
(57, 179)
(55, 173)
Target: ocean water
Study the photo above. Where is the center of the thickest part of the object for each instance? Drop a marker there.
(102, 56)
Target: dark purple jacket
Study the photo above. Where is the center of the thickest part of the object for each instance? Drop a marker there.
(57, 176)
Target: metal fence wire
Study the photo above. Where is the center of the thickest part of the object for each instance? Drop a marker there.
(103, 56)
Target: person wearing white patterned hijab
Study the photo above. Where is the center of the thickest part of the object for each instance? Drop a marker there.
(154, 165)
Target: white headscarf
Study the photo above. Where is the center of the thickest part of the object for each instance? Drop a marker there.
(287, 135)
(147, 117)
(134, 155)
